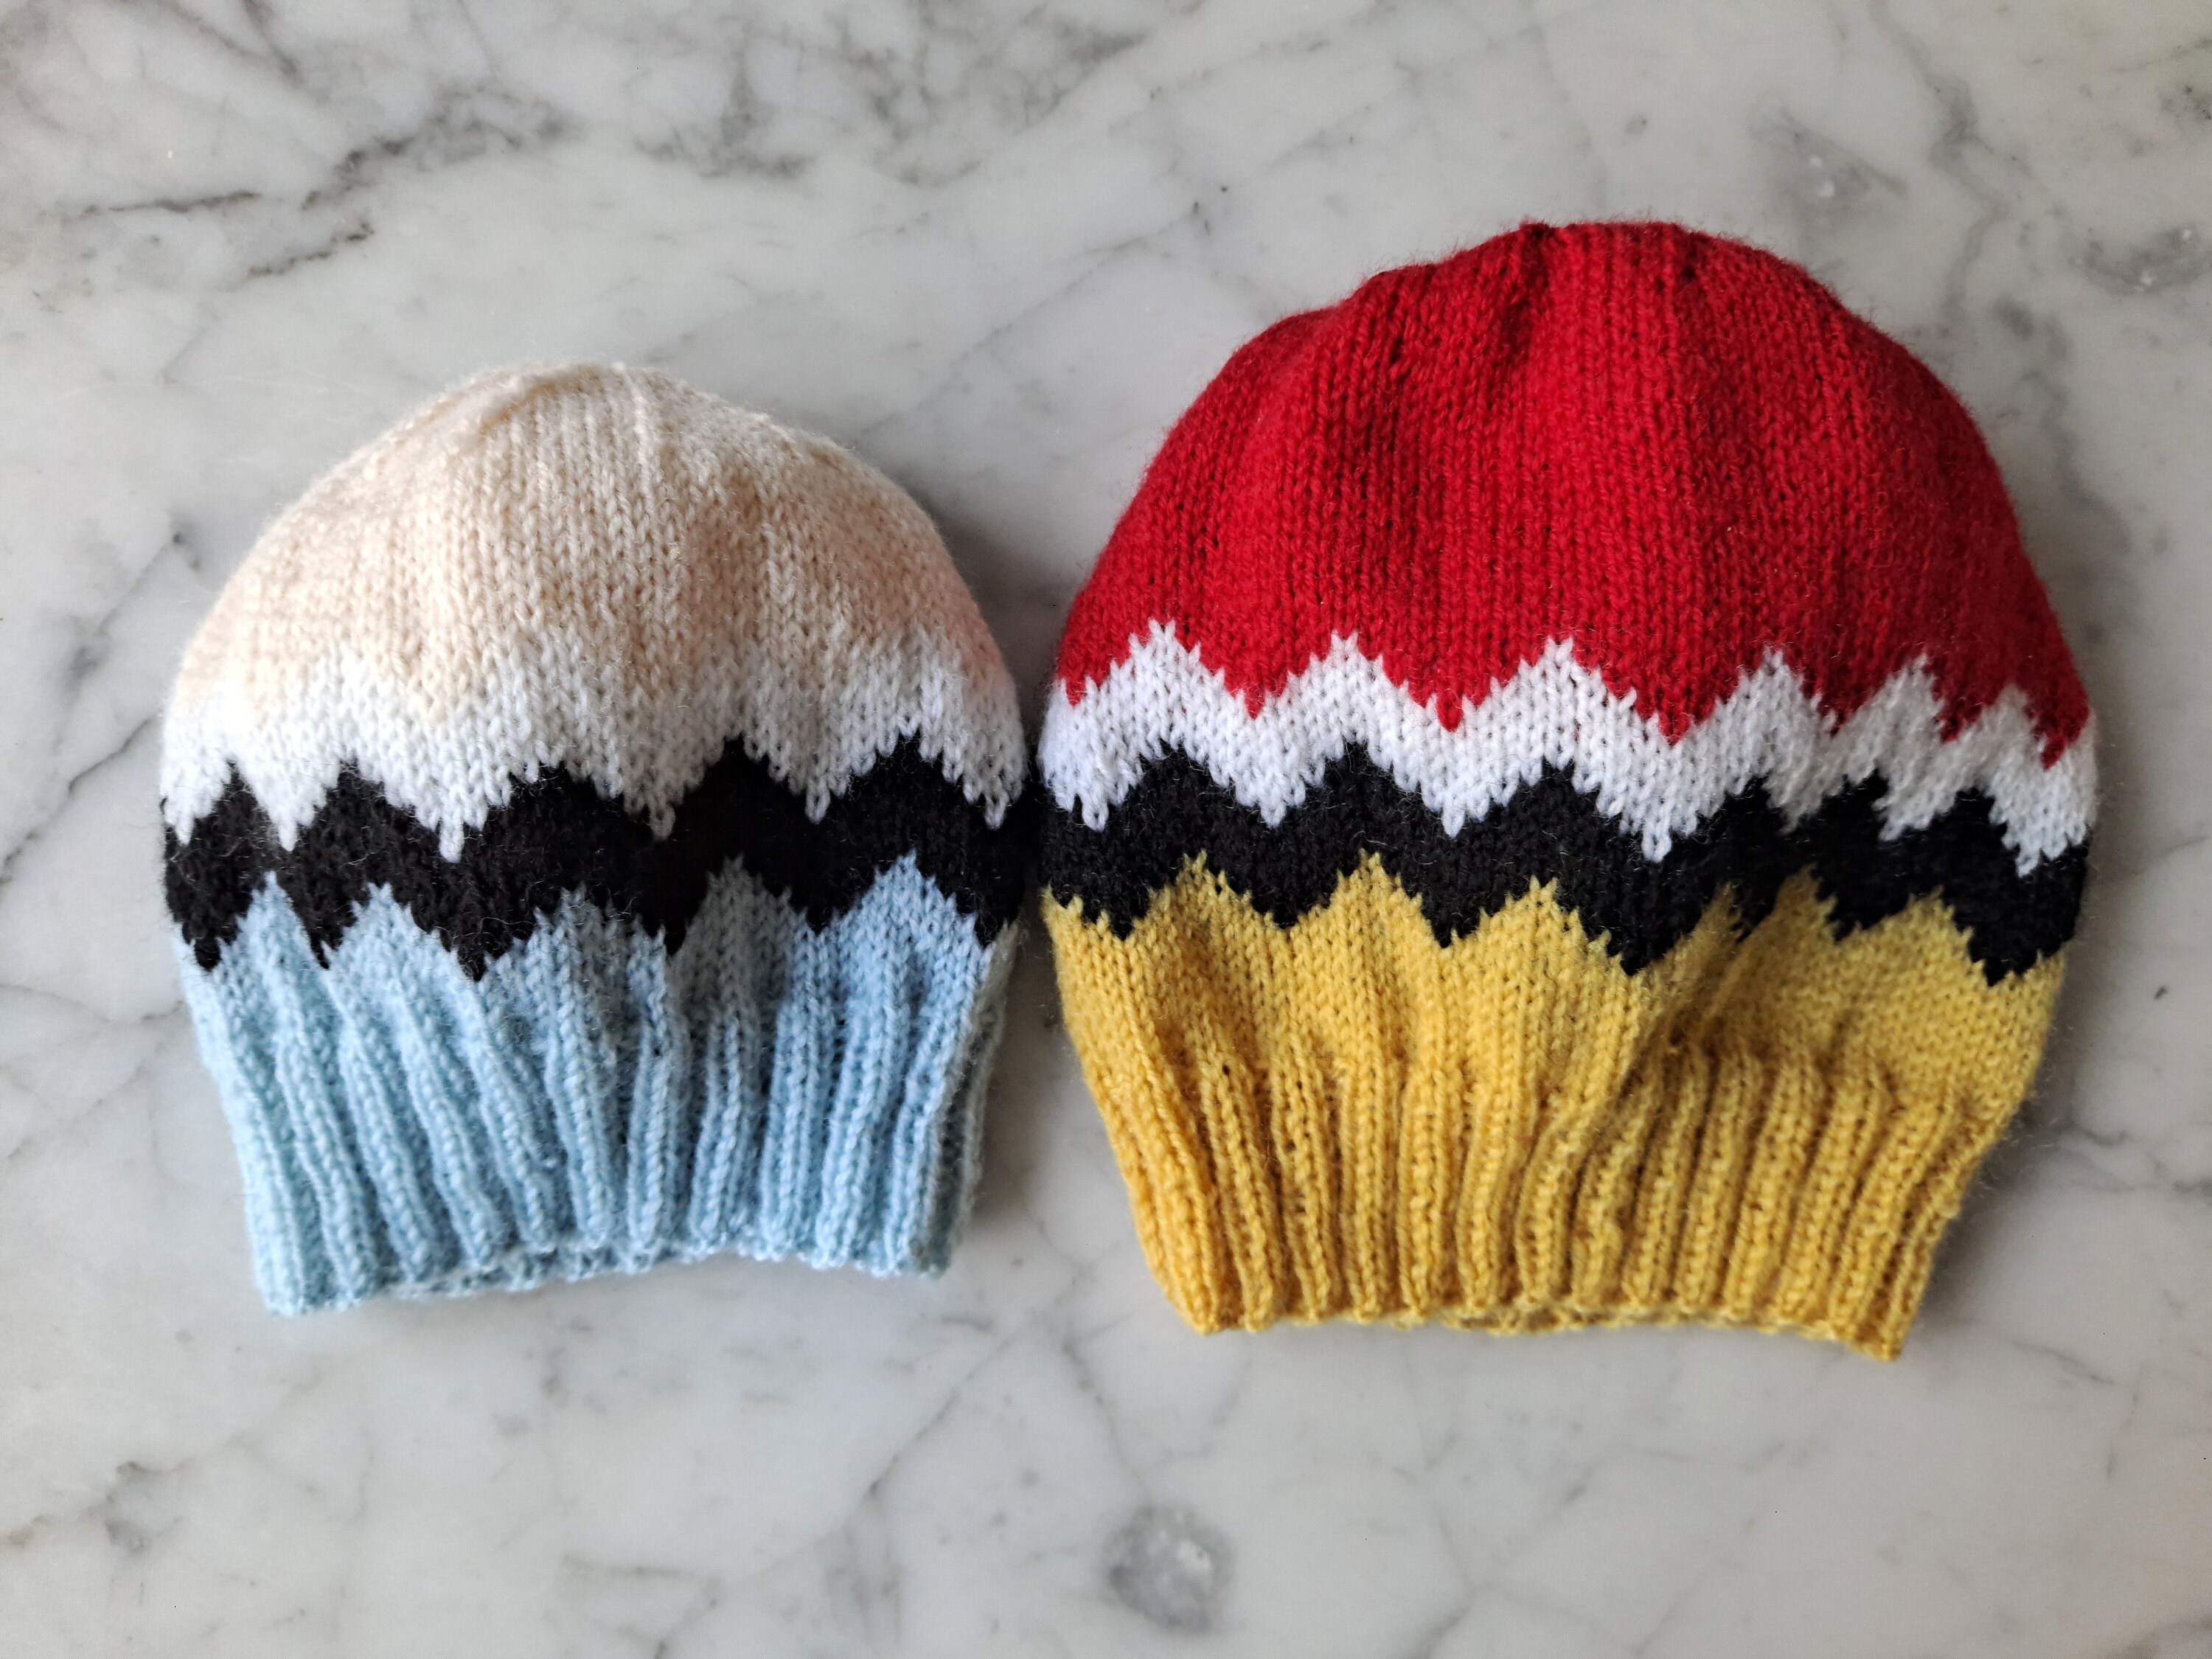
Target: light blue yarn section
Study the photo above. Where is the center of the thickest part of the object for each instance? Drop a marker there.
(596, 1103)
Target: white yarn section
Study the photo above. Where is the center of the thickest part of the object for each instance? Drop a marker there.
(598, 569)
(1555, 712)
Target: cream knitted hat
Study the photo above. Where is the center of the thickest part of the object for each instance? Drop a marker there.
(586, 840)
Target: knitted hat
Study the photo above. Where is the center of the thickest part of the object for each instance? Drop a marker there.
(1567, 800)
(585, 847)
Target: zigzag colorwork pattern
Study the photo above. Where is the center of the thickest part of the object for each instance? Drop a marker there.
(1551, 776)
(1548, 832)
(557, 834)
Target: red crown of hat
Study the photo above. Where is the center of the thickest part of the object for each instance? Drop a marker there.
(1680, 454)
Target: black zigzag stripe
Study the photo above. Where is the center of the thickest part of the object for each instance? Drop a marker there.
(1550, 832)
(558, 834)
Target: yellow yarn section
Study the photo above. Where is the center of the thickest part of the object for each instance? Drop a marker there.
(1345, 1119)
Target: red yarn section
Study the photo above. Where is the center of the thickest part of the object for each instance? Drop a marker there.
(1676, 451)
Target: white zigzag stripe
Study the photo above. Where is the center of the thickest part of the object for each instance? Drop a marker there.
(646, 752)
(1555, 712)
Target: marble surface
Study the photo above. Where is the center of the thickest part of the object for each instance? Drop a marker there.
(997, 247)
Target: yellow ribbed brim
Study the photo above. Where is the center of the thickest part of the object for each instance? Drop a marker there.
(1343, 1119)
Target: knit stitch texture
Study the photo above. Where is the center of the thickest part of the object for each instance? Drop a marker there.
(1567, 802)
(589, 842)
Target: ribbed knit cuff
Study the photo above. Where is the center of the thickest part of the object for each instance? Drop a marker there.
(1715, 1188)
(595, 1103)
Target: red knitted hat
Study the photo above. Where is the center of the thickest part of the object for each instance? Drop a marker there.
(1567, 798)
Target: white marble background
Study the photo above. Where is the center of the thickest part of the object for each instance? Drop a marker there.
(997, 246)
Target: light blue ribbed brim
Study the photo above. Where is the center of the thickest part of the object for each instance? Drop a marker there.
(596, 1103)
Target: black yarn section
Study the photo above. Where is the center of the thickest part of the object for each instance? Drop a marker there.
(557, 835)
(1550, 832)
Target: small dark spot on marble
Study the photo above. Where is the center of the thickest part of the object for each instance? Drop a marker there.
(2169, 259)
(1169, 1567)
(2190, 104)
(2018, 321)
(1635, 125)
(2160, 992)
(127, 1533)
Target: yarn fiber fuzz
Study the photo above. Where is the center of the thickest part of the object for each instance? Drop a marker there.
(587, 842)
(1567, 800)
